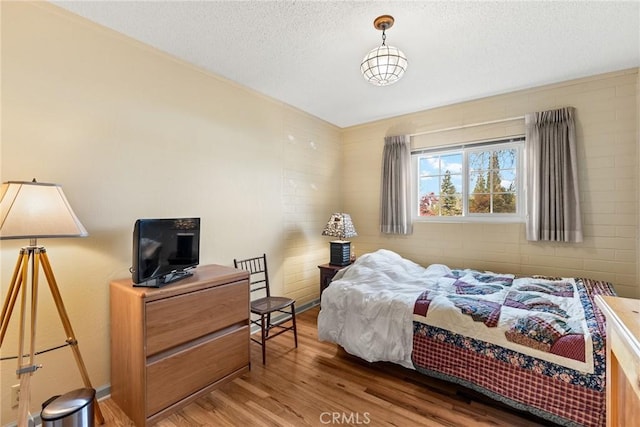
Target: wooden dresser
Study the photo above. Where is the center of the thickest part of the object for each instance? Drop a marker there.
(623, 359)
(171, 345)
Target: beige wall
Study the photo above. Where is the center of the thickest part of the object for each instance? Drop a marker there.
(607, 130)
(130, 132)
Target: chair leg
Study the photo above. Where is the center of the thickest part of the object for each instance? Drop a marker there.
(268, 323)
(264, 340)
(295, 329)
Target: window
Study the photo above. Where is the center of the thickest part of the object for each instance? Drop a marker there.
(481, 181)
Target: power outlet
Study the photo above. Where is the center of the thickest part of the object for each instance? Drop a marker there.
(15, 395)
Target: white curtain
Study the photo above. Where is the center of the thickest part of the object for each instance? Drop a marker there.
(553, 202)
(395, 197)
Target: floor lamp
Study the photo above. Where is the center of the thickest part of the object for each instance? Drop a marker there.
(32, 210)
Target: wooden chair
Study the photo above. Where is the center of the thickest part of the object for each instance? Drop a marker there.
(267, 305)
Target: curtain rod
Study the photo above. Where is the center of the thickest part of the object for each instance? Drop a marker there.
(490, 122)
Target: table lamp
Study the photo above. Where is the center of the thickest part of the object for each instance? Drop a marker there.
(340, 226)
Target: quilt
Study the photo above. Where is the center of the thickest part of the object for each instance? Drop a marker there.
(535, 343)
(544, 315)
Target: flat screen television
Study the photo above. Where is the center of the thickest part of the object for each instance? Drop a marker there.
(164, 250)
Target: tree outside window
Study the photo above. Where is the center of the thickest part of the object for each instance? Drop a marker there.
(490, 192)
(441, 185)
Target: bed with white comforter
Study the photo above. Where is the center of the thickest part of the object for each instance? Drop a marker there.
(505, 336)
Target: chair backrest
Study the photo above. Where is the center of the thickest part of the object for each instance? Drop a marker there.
(257, 268)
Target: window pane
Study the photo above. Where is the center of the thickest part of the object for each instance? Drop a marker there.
(504, 203)
(429, 205)
(450, 195)
(429, 185)
(479, 160)
(507, 158)
(480, 203)
(440, 185)
(430, 165)
(478, 182)
(451, 205)
(451, 163)
(509, 180)
(456, 180)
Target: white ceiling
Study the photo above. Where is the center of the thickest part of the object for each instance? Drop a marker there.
(308, 53)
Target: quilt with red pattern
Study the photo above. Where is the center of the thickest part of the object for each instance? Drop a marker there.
(534, 343)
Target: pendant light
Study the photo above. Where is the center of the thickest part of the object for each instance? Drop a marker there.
(383, 65)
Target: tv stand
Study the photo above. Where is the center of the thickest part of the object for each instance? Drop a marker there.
(174, 276)
(161, 281)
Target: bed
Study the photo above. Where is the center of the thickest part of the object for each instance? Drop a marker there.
(534, 343)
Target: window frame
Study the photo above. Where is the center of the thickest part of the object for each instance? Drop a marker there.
(465, 149)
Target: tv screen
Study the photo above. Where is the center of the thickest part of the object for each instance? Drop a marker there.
(164, 250)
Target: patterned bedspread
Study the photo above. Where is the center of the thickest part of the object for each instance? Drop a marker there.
(534, 343)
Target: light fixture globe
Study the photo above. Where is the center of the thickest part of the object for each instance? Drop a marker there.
(383, 65)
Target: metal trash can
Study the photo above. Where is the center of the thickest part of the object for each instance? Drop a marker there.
(73, 409)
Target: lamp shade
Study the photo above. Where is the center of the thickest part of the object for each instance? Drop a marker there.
(31, 210)
(383, 65)
(340, 225)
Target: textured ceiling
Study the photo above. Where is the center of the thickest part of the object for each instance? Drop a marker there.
(307, 53)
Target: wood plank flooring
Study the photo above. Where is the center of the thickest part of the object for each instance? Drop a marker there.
(319, 384)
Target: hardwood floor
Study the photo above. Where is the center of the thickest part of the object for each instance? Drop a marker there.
(319, 384)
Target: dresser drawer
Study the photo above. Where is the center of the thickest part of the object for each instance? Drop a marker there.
(184, 373)
(173, 321)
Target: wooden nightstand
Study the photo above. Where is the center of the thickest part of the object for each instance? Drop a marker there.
(327, 271)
